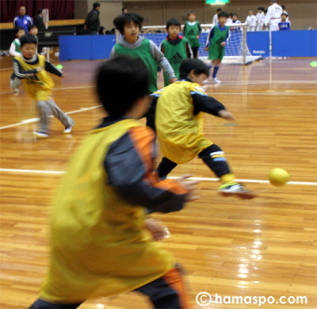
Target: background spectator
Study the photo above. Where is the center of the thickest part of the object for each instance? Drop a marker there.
(38, 20)
(23, 20)
(251, 21)
(124, 11)
(92, 23)
(215, 18)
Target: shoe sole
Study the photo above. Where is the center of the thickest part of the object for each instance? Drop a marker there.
(242, 195)
(39, 136)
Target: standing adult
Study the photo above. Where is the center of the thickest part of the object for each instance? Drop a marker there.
(23, 20)
(38, 20)
(215, 18)
(273, 16)
(92, 23)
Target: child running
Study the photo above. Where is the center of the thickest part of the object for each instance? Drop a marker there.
(192, 31)
(33, 70)
(133, 43)
(14, 51)
(103, 242)
(175, 48)
(179, 123)
(216, 41)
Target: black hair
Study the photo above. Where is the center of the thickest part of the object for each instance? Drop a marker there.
(28, 39)
(219, 10)
(122, 19)
(261, 8)
(32, 26)
(172, 22)
(284, 14)
(191, 13)
(120, 82)
(223, 14)
(101, 29)
(189, 65)
(39, 11)
(234, 14)
(283, 7)
(96, 5)
(17, 29)
(123, 9)
(231, 14)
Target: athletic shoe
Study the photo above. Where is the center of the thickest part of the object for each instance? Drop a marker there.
(16, 90)
(40, 134)
(236, 189)
(68, 130)
(216, 80)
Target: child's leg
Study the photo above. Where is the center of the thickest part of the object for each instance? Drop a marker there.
(44, 113)
(41, 304)
(165, 167)
(59, 114)
(195, 51)
(215, 159)
(167, 291)
(216, 64)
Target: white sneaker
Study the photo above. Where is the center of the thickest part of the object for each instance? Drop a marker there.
(40, 134)
(216, 80)
(16, 90)
(68, 130)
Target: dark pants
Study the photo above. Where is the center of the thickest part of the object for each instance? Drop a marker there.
(165, 292)
(218, 164)
(195, 51)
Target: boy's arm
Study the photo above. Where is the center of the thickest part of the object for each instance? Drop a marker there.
(209, 37)
(20, 73)
(204, 103)
(52, 69)
(129, 167)
(12, 50)
(163, 62)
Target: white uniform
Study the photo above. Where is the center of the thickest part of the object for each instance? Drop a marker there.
(215, 19)
(260, 17)
(251, 23)
(273, 16)
(229, 21)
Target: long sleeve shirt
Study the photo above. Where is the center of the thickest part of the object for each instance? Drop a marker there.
(274, 12)
(24, 21)
(13, 48)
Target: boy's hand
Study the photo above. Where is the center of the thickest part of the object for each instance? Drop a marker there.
(206, 48)
(197, 37)
(223, 44)
(189, 185)
(39, 69)
(226, 115)
(173, 80)
(158, 230)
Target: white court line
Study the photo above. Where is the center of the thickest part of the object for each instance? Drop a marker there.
(12, 170)
(264, 93)
(83, 109)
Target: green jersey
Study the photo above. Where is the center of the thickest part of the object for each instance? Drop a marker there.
(17, 44)
(144, 53)
(175, 53)
(191, 32)
(217, 36)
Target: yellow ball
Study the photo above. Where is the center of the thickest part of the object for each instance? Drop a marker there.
(278, 177)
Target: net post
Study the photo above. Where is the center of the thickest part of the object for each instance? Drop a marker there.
(244, 46)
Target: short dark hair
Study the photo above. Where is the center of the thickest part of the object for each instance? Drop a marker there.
(284, 14)
(189, 65)
(39, 11)
(28, 39)
(223, 14)
(17, 29)
(172, 22)
(261, 8)
(191, 13)
(234, 14)
(283, 6)
(32, 26)
(123, 9)
(219, 10)
(122, 19)
(120, 82)
(96, 5)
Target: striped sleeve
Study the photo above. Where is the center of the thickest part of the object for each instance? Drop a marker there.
(18, 70)
(130, 169)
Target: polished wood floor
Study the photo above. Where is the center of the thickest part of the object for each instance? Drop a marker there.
(264, 247)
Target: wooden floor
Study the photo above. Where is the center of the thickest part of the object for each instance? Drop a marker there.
(264, 247)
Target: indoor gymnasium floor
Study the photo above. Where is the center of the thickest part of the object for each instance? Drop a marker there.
(263, 247)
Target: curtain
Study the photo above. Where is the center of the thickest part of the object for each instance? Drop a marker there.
(58, 9)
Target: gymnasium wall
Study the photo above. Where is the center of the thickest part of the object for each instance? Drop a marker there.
(303, 13)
